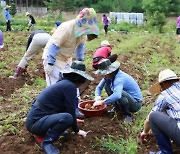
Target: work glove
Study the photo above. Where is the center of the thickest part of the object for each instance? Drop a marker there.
(79, 121)
(97, 103)
(48, 69)
(143, 135)
(82, 133)
(97, 98)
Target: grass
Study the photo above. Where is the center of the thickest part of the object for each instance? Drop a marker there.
(147, 53)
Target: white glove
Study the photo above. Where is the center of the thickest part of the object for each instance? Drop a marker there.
(82, 133)
(97, 103)
(97, 98)
(48, 69)
(6, 20)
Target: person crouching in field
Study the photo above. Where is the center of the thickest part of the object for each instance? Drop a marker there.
(53, 111)
(32, 21)
(122, 89)
(102, 52)
(164, 118)
(1, 41)
(36, 41)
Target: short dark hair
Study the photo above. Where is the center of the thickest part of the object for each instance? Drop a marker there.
(74, 77)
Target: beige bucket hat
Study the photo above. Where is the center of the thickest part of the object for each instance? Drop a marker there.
(164, 75)
(105, 43)
(7, 7)
(27, 13)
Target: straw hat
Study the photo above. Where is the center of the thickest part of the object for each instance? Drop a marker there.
(27, 13)
(106, 67)
(79, 68)
(164, 75)
(7, 7)
(105, 43)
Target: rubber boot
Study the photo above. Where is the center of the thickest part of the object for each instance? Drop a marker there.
(47, 143)
(79, 114)
(18, 71)
(164, 144)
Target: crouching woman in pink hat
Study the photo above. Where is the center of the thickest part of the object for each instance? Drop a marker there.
(122, 89)
(164, 118)
(53, 111)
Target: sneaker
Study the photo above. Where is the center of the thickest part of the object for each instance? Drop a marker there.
(113, 110)
(128, 119)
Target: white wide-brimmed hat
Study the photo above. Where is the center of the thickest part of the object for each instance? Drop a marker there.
(7, 7)
(78, 67)
(27, 13)
(105, 43)
(106, 67)
(164, 75)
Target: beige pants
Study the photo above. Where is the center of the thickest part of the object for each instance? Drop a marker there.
(38, 42)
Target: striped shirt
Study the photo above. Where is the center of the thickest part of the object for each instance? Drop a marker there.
(169, 101)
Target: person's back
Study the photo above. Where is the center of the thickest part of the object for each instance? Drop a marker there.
(105, 20)
(101, 53)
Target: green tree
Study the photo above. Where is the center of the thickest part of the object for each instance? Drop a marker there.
(156, 11)
(13, 9)
(61, 5)
(174, 7)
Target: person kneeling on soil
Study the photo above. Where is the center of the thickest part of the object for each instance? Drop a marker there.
(53, 111)
(164, 126)
(102, 52)
(36, 41)
(122, 89)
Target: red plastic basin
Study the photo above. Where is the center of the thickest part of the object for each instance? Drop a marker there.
(91, 112)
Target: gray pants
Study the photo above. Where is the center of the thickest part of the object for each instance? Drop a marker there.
(126, 103)
(162, 124)
(38, 42)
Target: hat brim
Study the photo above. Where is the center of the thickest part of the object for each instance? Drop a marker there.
(82, 73)
(156, 88)
(113, 67)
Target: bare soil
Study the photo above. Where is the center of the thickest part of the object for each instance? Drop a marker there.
(107, 124)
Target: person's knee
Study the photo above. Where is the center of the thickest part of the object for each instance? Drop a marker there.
(67, 119)
(153, 117)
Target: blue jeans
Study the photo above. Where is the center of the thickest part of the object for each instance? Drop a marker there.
(57, 122)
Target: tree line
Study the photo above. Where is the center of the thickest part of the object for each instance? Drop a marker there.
(112, 5)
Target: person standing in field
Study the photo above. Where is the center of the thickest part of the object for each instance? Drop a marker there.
(178, 29)
(106, 22)
(69, 38)
(7, 17)
(32, 21)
